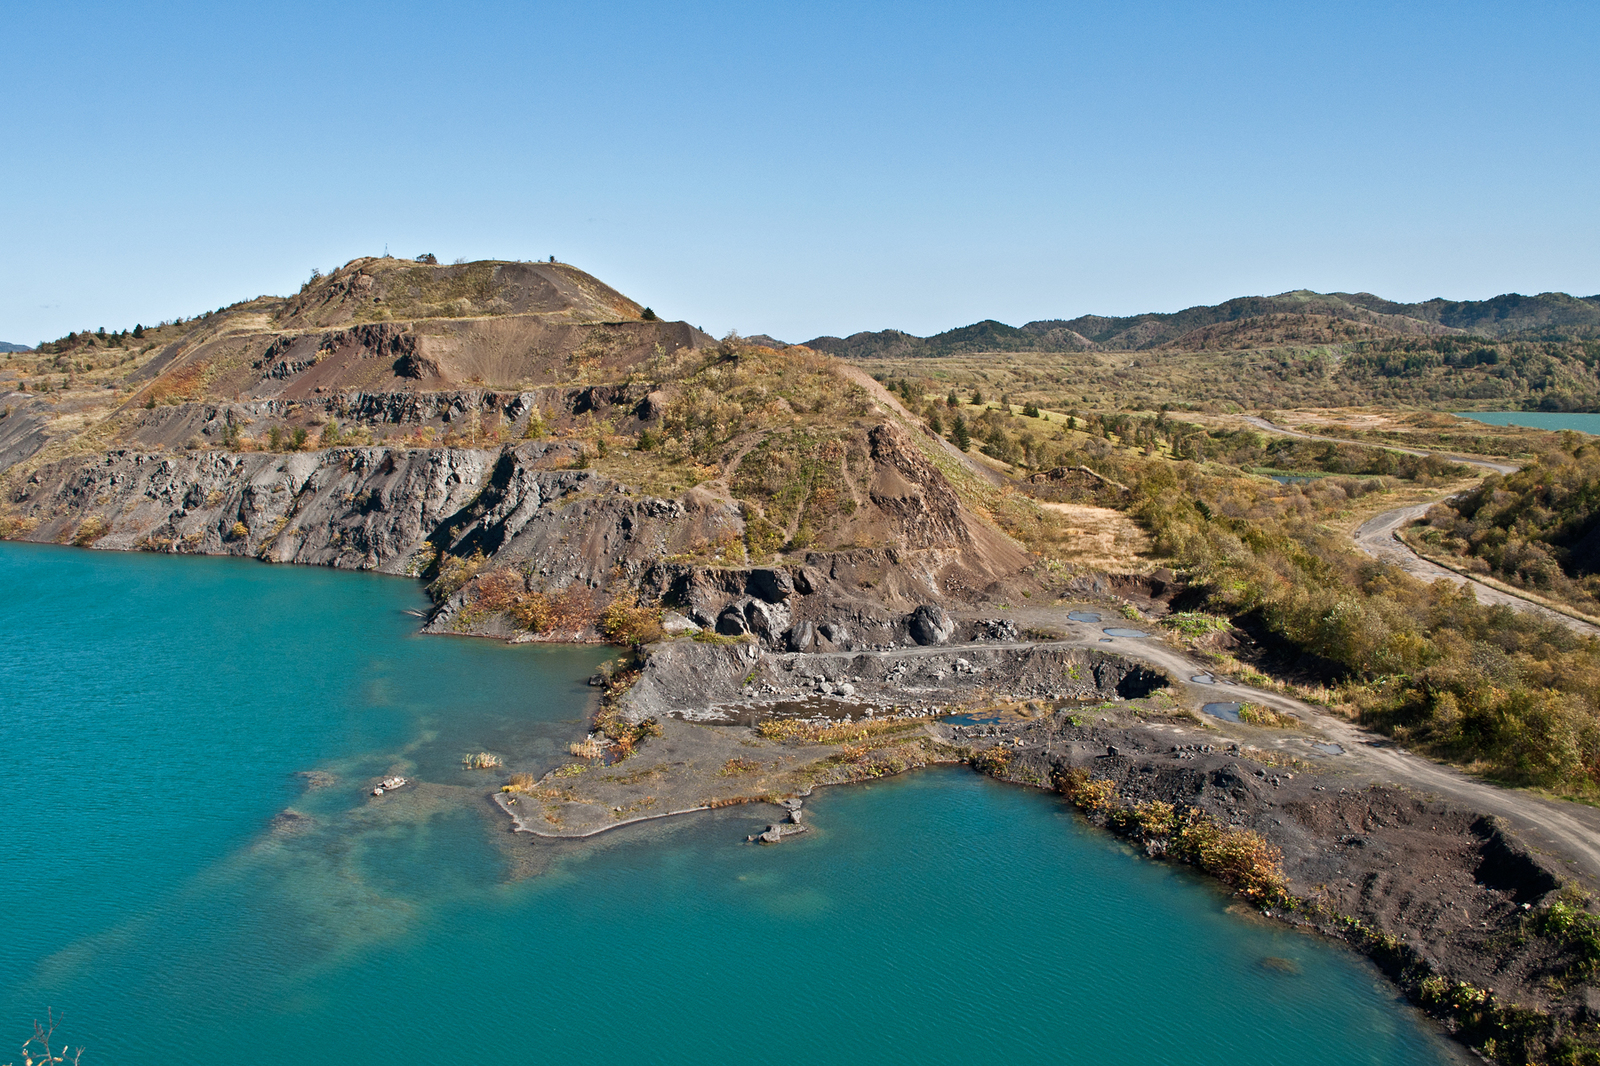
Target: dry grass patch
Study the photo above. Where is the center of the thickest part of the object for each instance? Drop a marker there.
(833, 732)
(1096, 537)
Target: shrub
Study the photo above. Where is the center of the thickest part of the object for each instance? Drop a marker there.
(1568, 923)
(1088, 793)
(90, 530)
(455, 572)
(801, 730)
(1196, 623)
(992, 761)
(626, 737)
(625, 621)
(1238, 857)
(1262, 715)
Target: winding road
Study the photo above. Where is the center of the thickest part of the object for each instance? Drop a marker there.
(1379, 536)
(1569, 831)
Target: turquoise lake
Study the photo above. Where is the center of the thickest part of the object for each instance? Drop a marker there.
(1582, 422)
(159, 712)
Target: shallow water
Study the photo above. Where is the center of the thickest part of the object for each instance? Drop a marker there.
(1228, 712)
(1583, 422)
(158, 709)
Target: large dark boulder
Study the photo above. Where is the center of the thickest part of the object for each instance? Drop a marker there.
(930, 624)
(801, 637)
(731, 623)
(773, 585)
(766, 620)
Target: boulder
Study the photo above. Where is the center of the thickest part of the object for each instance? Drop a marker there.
(772, 585)
(930, 624)
(673, 623)
(802, 636)
(766, 620)
(808, 579)
(731, 623)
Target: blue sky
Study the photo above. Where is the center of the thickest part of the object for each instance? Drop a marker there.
(796, 168)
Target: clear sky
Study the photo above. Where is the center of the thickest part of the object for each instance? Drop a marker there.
(799, 168)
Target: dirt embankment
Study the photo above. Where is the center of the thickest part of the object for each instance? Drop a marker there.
(743, 681)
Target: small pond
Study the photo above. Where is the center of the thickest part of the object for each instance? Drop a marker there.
(1118, 631)
(1228, 712)
(1084, 616)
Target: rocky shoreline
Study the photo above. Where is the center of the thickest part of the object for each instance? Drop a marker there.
(1448, 900)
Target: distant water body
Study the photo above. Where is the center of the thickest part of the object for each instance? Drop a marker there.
(1583, 423)
(156, 712)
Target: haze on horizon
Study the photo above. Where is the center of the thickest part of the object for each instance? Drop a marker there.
(796, 171)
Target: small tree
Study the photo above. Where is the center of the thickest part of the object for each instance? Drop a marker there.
(977, 398)
(959, 434)
(952, 400)
(38, 1048)
(138, 332)
(648, 315)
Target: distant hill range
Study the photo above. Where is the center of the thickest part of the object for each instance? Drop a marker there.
(1249, 321)
(4, 347)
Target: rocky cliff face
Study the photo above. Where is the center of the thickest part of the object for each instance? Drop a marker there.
(354, 508)
(463, 414)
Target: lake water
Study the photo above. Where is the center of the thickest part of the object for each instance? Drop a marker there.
(1583, 423)
(157, 711)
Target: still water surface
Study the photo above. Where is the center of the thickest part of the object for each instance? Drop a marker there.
(1580, 421)
(156, 712)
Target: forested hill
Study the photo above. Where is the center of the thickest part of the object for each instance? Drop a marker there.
(1292, 317)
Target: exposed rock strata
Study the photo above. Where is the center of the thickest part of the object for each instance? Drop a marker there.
(688, 678)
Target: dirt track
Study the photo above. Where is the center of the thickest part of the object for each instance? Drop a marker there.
(1570, 830)
(1379, 536)
(1270, 427)
(887, 399)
